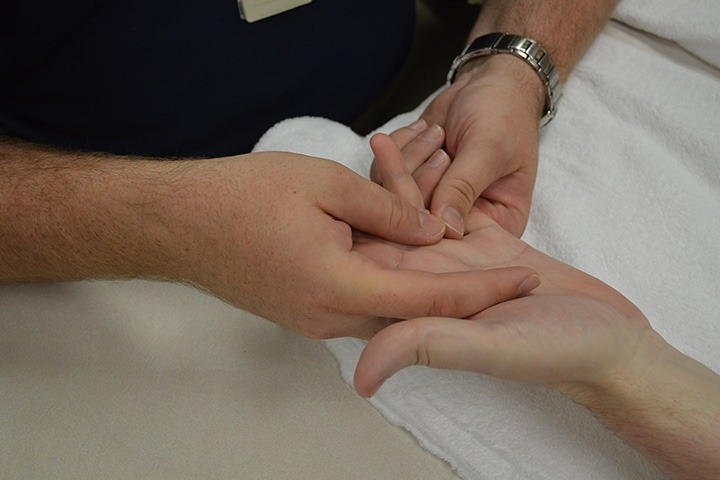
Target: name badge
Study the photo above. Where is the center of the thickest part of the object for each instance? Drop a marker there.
(254, 10)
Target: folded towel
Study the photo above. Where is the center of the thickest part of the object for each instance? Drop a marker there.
(692, 25)
(629, 191)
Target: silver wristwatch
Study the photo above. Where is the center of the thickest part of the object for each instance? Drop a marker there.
(522, 47)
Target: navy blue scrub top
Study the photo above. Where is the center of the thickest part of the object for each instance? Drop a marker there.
(187, 78)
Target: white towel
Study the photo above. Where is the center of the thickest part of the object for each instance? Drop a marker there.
(629, 191)
(693, 25)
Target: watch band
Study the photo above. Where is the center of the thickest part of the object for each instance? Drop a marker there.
(521, 47)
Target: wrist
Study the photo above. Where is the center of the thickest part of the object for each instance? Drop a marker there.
(621, 381)
(507, 71)
(665, 404)
(187, 218)
(532, 55)
(212, 225)
(165, 196)
(130, 211)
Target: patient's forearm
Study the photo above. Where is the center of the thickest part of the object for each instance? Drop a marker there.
(566, 28)
(666, 405)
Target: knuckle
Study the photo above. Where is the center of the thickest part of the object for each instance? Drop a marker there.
(443, 305)
(461, 189)
(339, 177)
(415, 333)
(398, 217)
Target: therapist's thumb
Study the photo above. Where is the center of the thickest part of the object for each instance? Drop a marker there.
(452, 200)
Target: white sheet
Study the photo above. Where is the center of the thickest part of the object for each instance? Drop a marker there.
(629, 191)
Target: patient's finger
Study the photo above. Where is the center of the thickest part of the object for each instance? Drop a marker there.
(394, 174)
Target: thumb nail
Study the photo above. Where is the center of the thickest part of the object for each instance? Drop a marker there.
(454, 221)
(431, 225)
(528, 285)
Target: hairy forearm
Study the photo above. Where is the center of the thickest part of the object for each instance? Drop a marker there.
(69, 216)
(564, 28)
(666, 405)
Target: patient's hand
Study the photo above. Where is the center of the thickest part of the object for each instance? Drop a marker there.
(572, 329)
(573, 333)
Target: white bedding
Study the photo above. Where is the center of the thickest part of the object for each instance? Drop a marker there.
(692, 25)
(629, 191)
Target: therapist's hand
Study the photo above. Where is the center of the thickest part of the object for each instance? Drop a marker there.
(267, 232)
(491, 115)
(273, 234)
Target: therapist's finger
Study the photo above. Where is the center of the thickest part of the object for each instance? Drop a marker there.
(417, 187)
(368, 207)
(394, 174)
(412, 293)
(417, 142)
(402, 137)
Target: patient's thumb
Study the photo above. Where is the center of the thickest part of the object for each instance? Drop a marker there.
(438, 342)
(403, 344)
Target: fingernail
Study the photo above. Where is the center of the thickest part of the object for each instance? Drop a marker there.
(433, 132)
(418, 125)
(438, 158)
(528, 285)
(431, 225)
(453, 220)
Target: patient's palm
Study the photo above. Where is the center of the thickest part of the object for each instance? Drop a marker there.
(573, 326)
